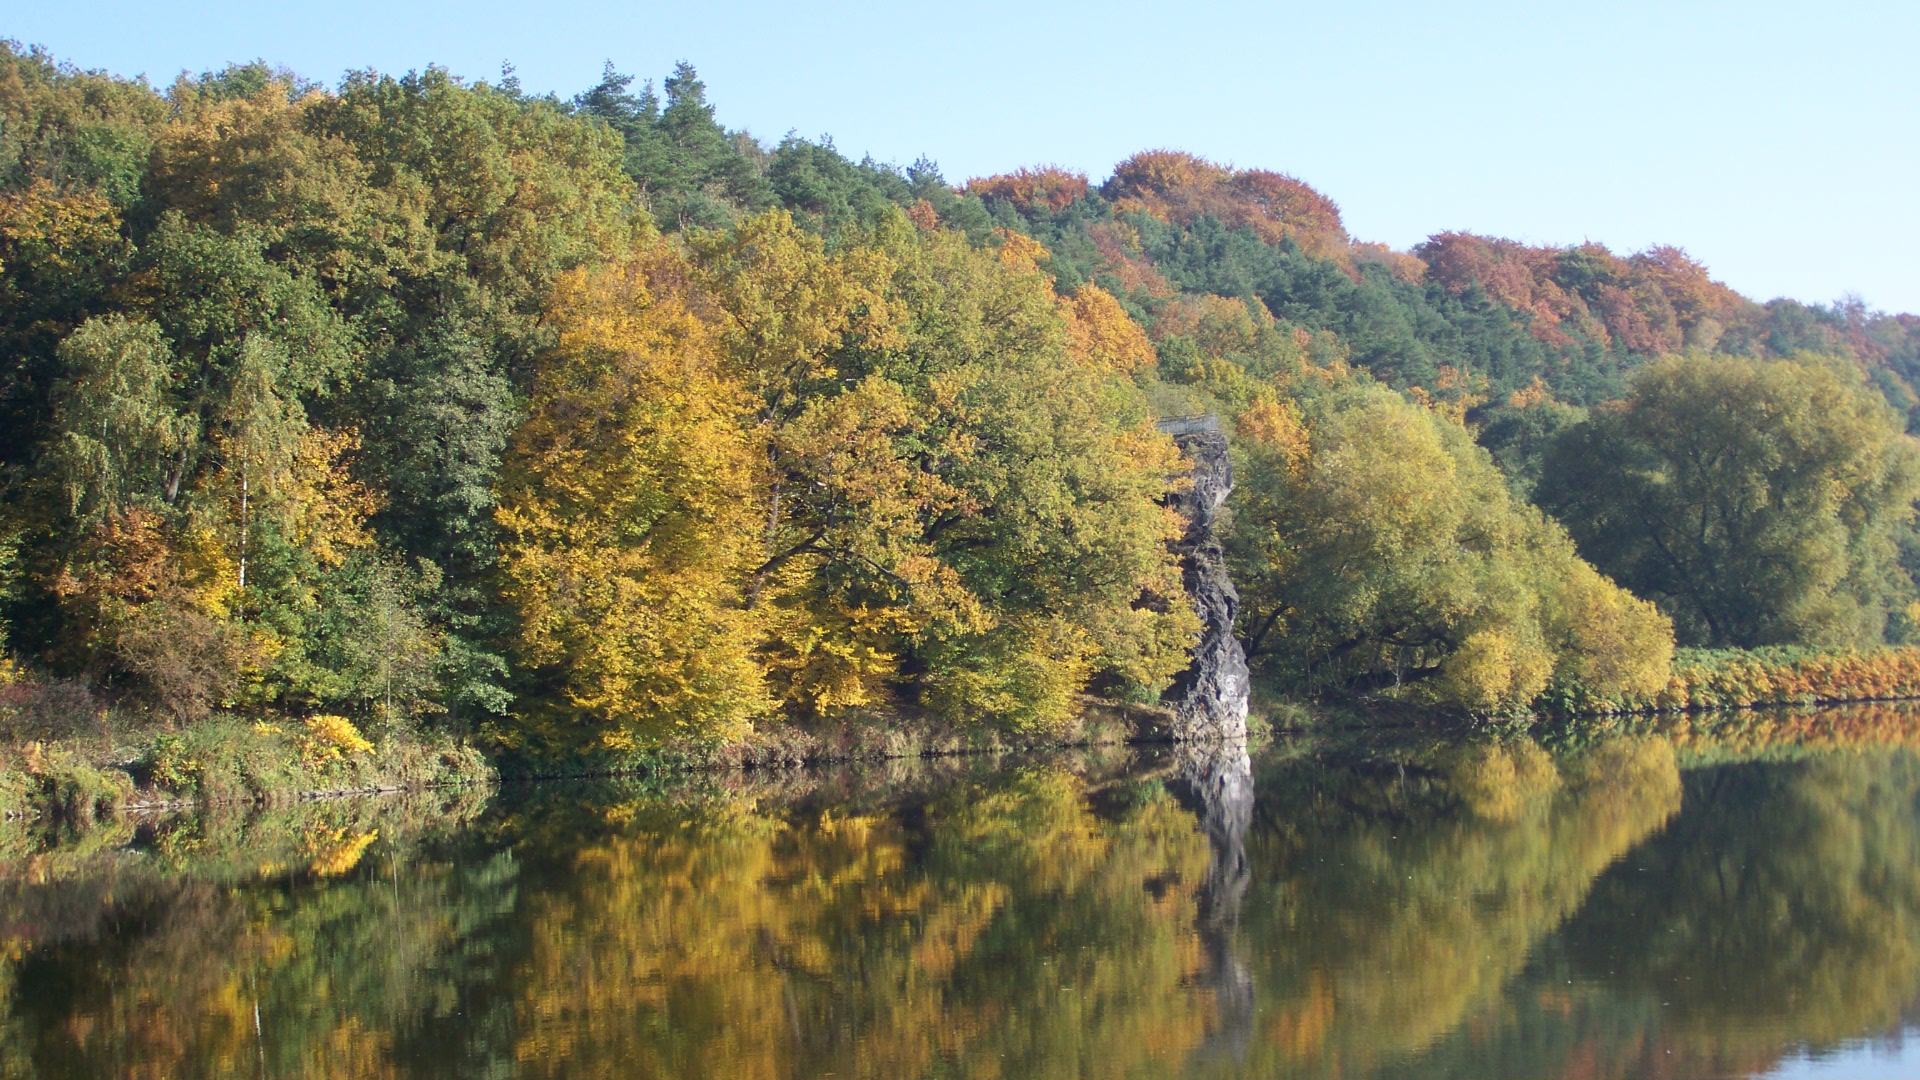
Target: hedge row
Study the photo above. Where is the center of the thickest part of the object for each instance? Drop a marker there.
(1739, 678)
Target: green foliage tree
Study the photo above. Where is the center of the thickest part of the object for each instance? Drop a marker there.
(691, 171)
(62, 257)
(1758, 502)
(119, 440)
(1375, 544)
(371, 641)
(75, 129)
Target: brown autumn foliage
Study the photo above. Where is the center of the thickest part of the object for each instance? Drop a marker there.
(144, 625)
(1734, 679)
(1658, 301)
(1218, 325)
(1118, 245)
(1181, 187)
(1048, 186)
(1401, 264)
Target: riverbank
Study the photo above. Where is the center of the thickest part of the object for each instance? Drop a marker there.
(224, 760)
(861, 735)
(229, 759)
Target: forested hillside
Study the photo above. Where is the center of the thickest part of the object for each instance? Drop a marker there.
(584, 424)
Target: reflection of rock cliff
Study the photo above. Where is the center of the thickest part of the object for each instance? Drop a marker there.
(1210, 700)
(1216, 783)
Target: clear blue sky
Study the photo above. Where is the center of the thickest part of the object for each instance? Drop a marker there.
(1777, 142)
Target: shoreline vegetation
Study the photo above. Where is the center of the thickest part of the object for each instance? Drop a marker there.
(418, 431)
(1765, 696)
(326, 830)
(1710, 679)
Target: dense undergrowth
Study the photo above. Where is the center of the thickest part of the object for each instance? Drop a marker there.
(222, 760)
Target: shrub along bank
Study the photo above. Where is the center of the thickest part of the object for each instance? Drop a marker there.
(1741, 678)
(224, 760)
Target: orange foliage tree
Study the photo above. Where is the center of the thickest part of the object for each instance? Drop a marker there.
(1180, 187)
(1046, 188)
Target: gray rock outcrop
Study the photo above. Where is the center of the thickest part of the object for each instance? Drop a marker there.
(1210, 699)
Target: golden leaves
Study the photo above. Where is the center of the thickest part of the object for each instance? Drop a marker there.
(768, 468)
(1020, 252)
(1100, 333)
(1494, 668)
(627, 500)
(64, 232)
(325, 508)
(330, 738)
(1275, 425)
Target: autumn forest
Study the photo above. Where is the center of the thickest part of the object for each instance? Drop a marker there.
(583, 426)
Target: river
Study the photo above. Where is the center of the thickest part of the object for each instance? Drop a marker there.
(1665, 904)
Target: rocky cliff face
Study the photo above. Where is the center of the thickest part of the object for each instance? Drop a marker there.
(1210, 699)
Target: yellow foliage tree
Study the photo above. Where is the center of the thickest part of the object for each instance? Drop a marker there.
(627, 500)
(787, 307)
(1101, 335)
(948, 490)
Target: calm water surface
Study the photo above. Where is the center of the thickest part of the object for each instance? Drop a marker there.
(1665, 905)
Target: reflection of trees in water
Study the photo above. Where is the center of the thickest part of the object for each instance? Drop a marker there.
(1782, 908)
(1356, 919)
(1035, 923)
(1788, 733)
(149, 961)
(1005, 928)
(1387, 908)
(1026, 924)
(1015, 927)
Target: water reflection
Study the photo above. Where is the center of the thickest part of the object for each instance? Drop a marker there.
(1783, 910)
(1669, 905)
(1216, 782)
(1393, 905)
(1000, 922)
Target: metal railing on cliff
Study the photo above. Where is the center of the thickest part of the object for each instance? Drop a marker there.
(1189, 425)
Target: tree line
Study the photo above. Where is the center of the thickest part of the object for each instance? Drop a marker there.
(585, 424)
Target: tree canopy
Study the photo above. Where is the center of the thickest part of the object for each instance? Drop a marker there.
(1759, 502)
(587, 423)
(1375, 542)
